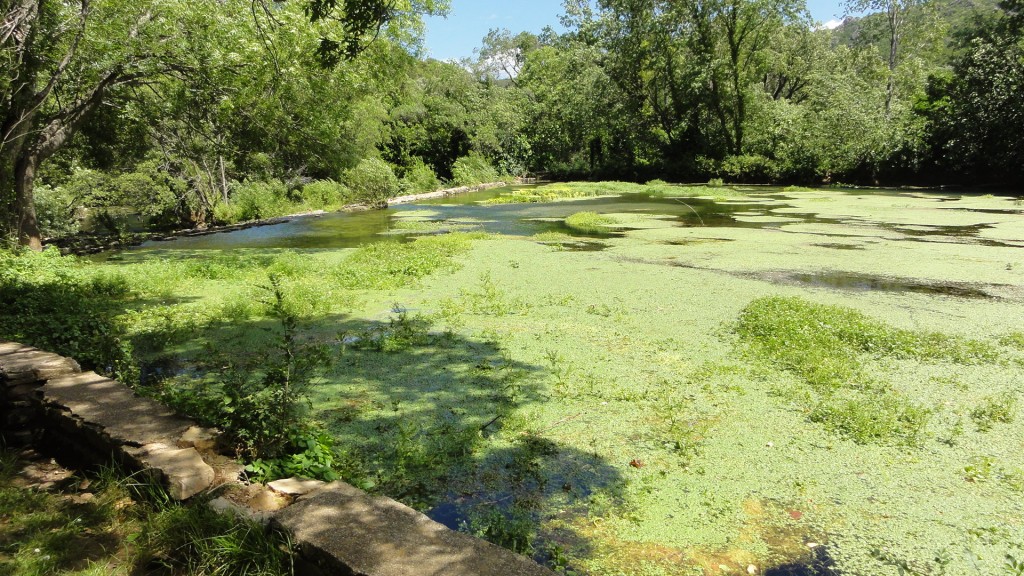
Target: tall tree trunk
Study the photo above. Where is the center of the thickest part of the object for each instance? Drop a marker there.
(24, 204)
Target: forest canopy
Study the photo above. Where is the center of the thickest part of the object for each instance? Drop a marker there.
(193, 114)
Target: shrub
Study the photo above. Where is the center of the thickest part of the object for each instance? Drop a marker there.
(473, 169)
(750, 168)
(419, 178)
(253, 201)
(320, 194)
(373, 182)
(264, 407)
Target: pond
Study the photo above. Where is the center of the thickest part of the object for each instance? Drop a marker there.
(789, 381)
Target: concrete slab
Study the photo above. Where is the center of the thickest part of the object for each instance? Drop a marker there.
(20, 364)
(296, 486)
(182, 470)
(112, 406)
(346, 530)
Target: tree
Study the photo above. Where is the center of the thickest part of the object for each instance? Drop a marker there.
(354, 23)
(976, 114)
(503, 54)
(60, 60)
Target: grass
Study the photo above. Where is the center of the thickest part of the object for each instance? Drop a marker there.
(107, 523)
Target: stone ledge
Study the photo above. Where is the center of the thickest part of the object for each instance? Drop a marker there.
(345, 530)
(122, 415)
(20, 364)
(182, 470)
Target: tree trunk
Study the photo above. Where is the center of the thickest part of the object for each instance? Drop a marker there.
(24, 203)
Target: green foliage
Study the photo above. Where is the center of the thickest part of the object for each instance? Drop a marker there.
(473, 169)
(419, 178)
(372, 182)
(56, 211)
(264, 408)
(323, 194)
(1013, 340)
(751, 168)
(254, 201)
(124, 527)
(401, 333)
(194, 539)
(824, 347)
(590, 223)
(63, 307)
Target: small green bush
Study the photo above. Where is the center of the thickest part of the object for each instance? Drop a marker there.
(254, 201)
(419, 178)
(373, 182)
(750, 168)
(322, 194)
(473, 169)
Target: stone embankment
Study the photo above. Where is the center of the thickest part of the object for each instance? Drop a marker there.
(46, 399)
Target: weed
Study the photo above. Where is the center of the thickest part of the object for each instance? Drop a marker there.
(401, 333)
(1000, 409)
(1013, 340)
(879, 417)
(955, 432)
(264, 408)
(590, 223)
(491, 300)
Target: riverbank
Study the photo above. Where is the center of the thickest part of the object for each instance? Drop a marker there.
(84, 244)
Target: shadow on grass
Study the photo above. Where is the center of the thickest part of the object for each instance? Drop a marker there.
(431, 419)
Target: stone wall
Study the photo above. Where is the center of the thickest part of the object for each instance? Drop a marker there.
(337, 529)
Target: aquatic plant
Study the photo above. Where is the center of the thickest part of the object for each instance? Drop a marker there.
(590, 222)
(825, 346)
(1000, 409)
(389, 265)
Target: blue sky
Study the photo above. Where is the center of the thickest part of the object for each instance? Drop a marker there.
(469, 21)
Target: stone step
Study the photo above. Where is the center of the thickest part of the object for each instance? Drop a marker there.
(345, 530)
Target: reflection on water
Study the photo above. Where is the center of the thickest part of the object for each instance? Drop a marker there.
(466, 211)
(351, 229)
